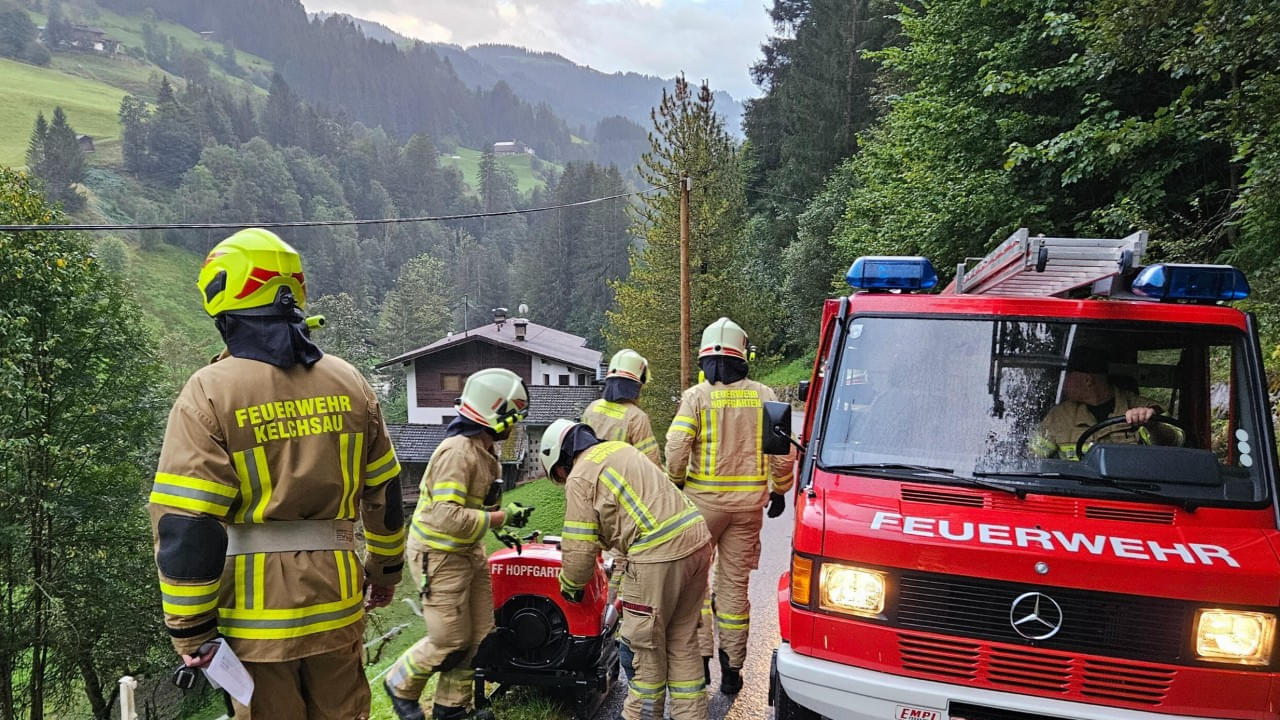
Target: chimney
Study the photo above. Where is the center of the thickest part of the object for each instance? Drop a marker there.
(521, 326)
(499, 316)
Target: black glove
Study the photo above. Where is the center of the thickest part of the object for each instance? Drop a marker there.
(777, 503)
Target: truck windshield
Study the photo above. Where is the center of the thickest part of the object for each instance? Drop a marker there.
(1013, 401)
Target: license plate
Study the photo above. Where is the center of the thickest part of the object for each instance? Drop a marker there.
(906, 712)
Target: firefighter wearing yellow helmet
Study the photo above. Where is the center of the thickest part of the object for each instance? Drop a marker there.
(615, 498)
(446, 553)
(714, 453)
(616, 416)
(271, 455)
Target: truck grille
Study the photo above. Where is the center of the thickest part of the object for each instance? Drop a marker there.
(1124, 626)
(1042, 672)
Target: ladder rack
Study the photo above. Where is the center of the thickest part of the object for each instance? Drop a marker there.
(1042, 266)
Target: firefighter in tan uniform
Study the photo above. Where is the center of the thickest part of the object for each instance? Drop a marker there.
(1088, 398)
(616, 416)
(714, 453)
(446, 550)
(616, 498)
(270, 456)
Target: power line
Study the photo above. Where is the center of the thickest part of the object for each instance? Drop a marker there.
(322, 223)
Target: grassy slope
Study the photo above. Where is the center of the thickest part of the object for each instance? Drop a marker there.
(468, 163)
(164, 281)
(790, 373)
(91, 106)
(90, 86)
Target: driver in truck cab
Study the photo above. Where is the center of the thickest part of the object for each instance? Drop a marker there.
(1089, 397)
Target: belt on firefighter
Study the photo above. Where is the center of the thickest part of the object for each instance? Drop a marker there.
(291, 536)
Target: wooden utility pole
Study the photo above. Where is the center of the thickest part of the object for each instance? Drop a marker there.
(685, 186)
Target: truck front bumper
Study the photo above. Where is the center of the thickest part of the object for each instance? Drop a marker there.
(843, 692)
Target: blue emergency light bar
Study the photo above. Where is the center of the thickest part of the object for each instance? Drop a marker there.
(1169, 281)
(891, 272)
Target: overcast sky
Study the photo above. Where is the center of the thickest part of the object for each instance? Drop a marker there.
(713, 39)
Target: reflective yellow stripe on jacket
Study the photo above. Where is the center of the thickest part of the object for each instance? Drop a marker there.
(584, 531)
(448, 543)
(388, 545)
(189, 599)
(382, 469)
(194, 494)
(285, 623)
(653, 533)
(617, 411)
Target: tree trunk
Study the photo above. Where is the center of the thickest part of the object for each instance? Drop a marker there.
(93, 686)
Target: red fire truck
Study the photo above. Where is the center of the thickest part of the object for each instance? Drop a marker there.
(982, 534)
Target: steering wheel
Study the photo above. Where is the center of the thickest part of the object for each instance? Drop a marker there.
(1119, 420)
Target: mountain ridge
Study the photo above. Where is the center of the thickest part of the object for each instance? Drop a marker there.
(579, 94)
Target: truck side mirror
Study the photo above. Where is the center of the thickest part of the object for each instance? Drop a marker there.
(803, 391)
(777, 428)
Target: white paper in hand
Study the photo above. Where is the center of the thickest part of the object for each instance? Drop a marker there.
(226, 672)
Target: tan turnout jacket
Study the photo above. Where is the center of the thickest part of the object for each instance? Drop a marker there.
(714, 447)
(623, 421)
(1067, 420)
(249, 443)
(450, 516)
(617, 499)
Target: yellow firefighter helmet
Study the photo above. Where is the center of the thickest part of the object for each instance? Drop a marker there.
(248, 270)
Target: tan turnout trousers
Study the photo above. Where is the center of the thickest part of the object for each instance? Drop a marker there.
(661, 604)
(330, 686)
(736, 536)
(458, 611)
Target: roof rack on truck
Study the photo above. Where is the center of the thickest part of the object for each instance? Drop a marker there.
(1042, 266)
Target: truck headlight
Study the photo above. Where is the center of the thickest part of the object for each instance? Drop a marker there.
(1234, 636)
(851, 590)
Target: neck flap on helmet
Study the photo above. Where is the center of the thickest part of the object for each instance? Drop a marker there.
(467, 428)
(580, 437)
(617, 389)
(723, 369)
(276, 334)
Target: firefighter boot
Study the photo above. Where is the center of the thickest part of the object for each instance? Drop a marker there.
(404, 709)
(730, 678)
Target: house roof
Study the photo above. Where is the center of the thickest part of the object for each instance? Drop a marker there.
(539, 340)
(415, 443)
(549, 402)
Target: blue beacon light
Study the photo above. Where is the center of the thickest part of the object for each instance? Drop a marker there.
(1211, 283)
(891, 272)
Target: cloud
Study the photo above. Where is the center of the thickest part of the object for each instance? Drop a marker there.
(713, 39)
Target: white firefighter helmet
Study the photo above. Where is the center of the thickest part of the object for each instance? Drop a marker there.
(495, 398)
(629, 364)
(552, 443)
(724, 337)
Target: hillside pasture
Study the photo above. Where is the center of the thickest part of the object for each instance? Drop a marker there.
(91, 106)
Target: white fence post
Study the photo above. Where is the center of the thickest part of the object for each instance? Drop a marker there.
(128, 711)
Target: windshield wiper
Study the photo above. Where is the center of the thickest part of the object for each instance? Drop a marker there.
(925, 472)
(1185, 503)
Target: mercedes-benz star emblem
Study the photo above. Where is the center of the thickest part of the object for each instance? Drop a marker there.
(1035, 616)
